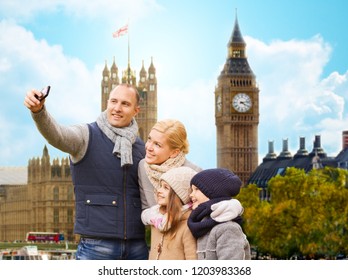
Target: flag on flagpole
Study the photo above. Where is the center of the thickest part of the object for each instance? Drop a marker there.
(120, 32)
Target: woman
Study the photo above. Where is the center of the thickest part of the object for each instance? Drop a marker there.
(166, 148)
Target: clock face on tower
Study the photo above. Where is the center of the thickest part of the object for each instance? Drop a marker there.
(241, 102)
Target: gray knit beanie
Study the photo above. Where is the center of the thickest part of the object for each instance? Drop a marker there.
(179, 180)
(217, 182)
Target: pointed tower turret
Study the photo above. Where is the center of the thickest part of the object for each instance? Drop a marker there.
(114, 75)
(142, 76)
(237, 63)
(129, 77)
(152, 73)
(236, 45)
(45, 164)
(105, 87)
(45, 153)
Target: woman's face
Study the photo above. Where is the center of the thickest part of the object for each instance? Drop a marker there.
(157, 148)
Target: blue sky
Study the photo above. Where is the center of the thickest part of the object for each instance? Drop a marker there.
(297, 50)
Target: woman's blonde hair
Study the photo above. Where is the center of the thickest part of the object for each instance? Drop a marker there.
(175, 132)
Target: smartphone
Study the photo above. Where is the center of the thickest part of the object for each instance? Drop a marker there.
(45, 91)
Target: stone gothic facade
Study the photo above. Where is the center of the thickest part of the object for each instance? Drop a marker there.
(44, 204)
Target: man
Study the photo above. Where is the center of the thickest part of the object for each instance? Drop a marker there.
(104, 158)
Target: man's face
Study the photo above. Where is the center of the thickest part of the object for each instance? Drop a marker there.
(122, 106)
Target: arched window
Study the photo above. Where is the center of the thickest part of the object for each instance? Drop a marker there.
(70, 193)
(56, 194)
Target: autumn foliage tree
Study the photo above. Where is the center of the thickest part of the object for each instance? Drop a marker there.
(306, 214)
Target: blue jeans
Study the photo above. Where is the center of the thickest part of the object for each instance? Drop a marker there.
(111, 249)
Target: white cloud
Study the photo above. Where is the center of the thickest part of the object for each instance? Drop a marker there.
(34, 64)
(107, 9)
(294, 100)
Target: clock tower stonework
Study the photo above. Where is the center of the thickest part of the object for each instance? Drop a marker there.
(237, 111)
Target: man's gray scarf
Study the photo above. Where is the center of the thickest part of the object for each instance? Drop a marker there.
(122, 137)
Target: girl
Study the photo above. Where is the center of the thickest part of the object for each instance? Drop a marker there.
(171, 238)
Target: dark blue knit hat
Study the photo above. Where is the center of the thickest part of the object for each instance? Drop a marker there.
(217, 182)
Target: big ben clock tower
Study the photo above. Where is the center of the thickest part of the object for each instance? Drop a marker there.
(237, 111)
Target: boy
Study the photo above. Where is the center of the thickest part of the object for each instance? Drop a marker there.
(216, 241)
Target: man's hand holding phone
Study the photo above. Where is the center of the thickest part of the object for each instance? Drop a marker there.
(44, 93)
(34, 100)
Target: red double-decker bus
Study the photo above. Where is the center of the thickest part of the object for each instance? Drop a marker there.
(44, 237)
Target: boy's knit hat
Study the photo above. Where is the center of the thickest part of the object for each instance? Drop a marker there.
(217, 182)
(179, 180)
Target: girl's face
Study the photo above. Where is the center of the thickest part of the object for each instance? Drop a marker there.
(197, 197)
(163, 194)
(157, 148)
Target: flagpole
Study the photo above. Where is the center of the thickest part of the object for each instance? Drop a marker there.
(128, 56)
(120, 32)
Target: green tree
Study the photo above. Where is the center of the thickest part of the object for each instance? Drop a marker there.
(307, 214)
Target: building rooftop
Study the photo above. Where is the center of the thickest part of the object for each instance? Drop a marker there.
(273, 165)
(13, 175)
